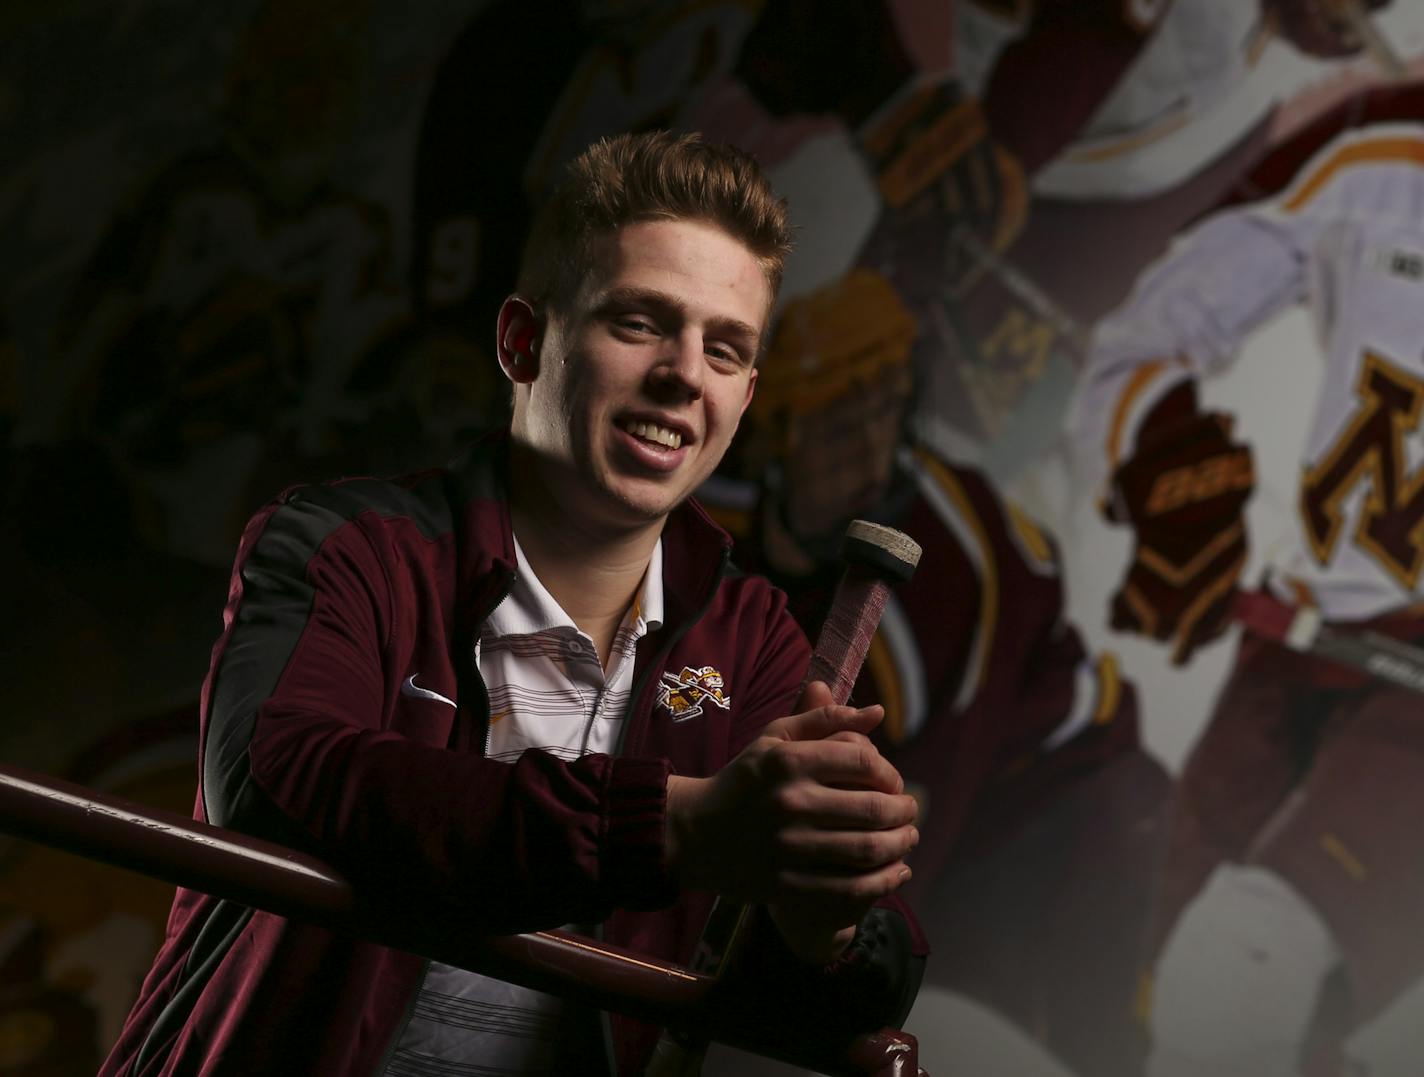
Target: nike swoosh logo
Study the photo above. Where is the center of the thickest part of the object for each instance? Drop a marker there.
(410, 688)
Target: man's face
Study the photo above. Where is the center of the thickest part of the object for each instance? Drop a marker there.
(642, 381)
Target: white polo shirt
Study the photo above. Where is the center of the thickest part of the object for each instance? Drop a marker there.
(547, 690)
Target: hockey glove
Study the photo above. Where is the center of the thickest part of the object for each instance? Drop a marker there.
(1184, 491)
(939, 169)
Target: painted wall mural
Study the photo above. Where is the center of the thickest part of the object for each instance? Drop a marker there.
(1113, 304)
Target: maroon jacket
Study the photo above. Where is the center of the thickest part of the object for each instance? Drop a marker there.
(341, 595)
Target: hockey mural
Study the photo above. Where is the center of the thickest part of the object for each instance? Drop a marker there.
(1286, 812)
(1113, 305)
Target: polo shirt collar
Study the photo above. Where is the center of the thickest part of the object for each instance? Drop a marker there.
(529, 608)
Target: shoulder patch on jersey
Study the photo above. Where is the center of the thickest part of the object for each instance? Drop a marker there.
(683, 694)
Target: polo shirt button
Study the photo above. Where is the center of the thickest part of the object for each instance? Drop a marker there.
(574, 647)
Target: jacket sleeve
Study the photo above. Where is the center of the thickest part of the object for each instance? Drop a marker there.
(874, 983)
(296, 748)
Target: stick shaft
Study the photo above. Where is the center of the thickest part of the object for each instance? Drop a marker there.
(839, 654)
(847, 631)
(841, 647)
(1380, 656)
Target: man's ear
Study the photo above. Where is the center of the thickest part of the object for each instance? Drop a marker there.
(517, 340)
(751, 390)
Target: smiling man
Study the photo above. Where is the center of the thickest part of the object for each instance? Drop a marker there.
(529, 691)
(627, 393)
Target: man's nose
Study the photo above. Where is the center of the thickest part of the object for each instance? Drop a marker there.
(681, 367)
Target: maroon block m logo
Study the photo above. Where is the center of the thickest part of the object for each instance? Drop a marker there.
(1370, 451)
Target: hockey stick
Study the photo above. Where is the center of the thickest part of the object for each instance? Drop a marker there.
(1300, 628)
(875, 557)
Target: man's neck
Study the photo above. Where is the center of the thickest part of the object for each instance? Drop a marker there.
(593, 573)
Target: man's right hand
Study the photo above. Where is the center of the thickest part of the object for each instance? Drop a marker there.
(809, 813)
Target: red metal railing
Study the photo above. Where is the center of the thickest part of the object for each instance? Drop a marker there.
(267, 876)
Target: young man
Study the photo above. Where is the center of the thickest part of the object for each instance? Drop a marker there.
(528, 691)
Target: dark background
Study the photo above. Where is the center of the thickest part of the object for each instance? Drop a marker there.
(251, 244)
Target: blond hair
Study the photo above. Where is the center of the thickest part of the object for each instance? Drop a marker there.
(652, 176)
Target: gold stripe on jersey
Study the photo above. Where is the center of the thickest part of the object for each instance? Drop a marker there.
(1096, 690)
(948, 487)
(1136, 386)
(1146, 612)
(1178, 576)
(1031, 540)
(1109, 688)
(1212, 593)
(1398, 149)
(1098, 151)
(1142, 1001)
(1341, 854)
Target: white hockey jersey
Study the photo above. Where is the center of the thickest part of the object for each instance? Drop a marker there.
(1347, 240)
(1195, 89)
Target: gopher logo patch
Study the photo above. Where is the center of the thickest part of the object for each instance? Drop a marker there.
(685, 693)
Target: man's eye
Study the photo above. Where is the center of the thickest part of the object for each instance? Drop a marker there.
(724, 353)
(635, 325)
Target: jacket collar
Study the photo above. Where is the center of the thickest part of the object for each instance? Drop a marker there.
(695, 549)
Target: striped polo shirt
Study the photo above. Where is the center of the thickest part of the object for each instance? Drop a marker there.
(547, 690)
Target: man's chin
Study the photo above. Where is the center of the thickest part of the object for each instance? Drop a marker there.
(642, 503)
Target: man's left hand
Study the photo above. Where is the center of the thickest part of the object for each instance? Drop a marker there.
(815, 932)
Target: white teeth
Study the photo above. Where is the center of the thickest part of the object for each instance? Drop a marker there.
(652, 432)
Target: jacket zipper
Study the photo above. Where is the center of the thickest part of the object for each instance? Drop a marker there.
(672, 641)
(605, 1019)
(472, 657)
(479, 683)
(408, 1013)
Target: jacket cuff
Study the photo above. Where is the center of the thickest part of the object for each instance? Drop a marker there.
(635, 834)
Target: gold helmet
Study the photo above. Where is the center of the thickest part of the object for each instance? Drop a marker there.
(849, 334)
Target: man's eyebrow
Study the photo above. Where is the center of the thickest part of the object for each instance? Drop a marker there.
(652, 297)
